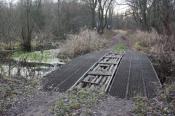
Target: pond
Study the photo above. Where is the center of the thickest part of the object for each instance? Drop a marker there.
(30, 65)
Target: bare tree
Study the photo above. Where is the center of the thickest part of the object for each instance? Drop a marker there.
(110, 17)
(140, 12)
(157, 14)
(103, 9)
(59, 16)
(37, 14)
(167, 16)
(31, 20)
(27, 25)
(93, 5)
(8, 27)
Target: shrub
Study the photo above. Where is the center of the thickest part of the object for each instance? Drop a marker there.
(85, 42)
(152, 42)
(145, 41)
(162, 105)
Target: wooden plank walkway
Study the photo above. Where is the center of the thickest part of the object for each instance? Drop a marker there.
(62, 79)
(134, 77)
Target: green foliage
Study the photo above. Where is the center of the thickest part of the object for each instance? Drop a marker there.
(32, 56)
(120, 47)
(76, 100)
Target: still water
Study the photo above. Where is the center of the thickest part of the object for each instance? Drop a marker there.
(30, 69)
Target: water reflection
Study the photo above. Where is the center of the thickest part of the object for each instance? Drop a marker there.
(11, 68)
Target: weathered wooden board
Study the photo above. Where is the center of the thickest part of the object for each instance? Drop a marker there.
(101, 74)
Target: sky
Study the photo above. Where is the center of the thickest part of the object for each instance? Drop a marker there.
(121, 8)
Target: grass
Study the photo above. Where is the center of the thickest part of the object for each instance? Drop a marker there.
(76, 102)
(148, 42)
(152, 107)
(162, 105)
(8, 46)
(86, 41)
(32, 56)
(120, 48)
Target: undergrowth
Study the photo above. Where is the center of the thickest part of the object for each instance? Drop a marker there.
(162, 105)
(11, 89)
(145, 41)
(32, 56)
(160, 48)
(76, 102)
(86, 41)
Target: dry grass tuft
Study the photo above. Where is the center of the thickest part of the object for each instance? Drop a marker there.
(86, 41)
(152, 42)
(147, 42)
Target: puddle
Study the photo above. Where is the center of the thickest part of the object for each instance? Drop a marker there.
(45, 57)
(28, 67)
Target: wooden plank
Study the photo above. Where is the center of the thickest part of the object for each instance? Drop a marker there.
(108, 63)
(99, 79)
(93, 81)
(104, 80)
(112, 57)
(103, 72)
(100, 73)
(89, 82)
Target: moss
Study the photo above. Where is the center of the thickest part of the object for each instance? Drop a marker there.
(32, 56)
(120, 47)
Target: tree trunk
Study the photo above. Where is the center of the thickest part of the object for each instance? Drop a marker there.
(27, 46)
(93, 19)
(27, 27)
(100, 26)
